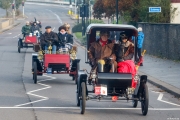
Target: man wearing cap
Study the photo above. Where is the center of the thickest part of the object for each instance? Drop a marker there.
(26, 29)
(103, 48)
(48, 36)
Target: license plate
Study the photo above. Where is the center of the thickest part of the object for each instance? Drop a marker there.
(101, 90)
(49, 71)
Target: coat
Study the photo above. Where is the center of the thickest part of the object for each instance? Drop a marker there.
(66, 38)
(26, 29)
(97, 51)
(44, 38)
(140, 39)
(124, 51)
(34, 28)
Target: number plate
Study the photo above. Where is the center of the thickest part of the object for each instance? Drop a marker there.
(49, 71)
(101, 90)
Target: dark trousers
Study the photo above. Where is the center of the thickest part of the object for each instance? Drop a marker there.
(139, 53)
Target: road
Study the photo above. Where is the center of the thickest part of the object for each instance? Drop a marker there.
(53, 98)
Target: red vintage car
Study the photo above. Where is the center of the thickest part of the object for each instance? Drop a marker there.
(29, 41)
(122, 85)
(59, 63)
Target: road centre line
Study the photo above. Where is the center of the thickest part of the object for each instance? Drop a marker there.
(91, 108)
(16, 35)
(59, 19)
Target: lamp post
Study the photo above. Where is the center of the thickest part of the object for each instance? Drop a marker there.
(117, 11)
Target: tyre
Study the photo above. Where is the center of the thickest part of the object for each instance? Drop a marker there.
(35, 72)
(77, 98)
(76, 75)
(134, 102)
(19, 47)
(145, 102)
(83, 97)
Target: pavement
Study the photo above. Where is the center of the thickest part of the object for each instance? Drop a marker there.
(53, 98)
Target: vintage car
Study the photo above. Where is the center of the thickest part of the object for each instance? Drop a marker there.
(63, 62)
(29, 41)
(105, 85)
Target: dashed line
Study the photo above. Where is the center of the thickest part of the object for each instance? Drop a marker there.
(53, 29)
(16, 36)
(59, 19)
(42, 97)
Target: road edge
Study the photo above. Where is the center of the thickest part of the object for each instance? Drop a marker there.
(163, 85)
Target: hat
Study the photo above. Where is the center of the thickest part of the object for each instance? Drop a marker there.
(47, 27)
(104, 32)
(124, 36)
(139, 29)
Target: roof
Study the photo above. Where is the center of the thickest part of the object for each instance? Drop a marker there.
(121, 27)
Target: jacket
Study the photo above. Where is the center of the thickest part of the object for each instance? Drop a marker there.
(26, 29)
(140, 39)
(124, 51)
(97, 51)
(66, 38)
(44, 38)
(34, 28)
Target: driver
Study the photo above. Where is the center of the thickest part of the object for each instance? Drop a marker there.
(103, 48)
(34, 27)
(26, 29)
(47, 37)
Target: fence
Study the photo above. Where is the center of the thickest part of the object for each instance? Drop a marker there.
(162, 40)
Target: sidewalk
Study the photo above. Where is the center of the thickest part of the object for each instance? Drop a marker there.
(16, 23)
(162, 73)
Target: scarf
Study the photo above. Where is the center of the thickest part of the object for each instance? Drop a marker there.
(103, 43)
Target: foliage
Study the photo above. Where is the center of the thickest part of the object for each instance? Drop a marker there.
(135, 11)
(5, 4)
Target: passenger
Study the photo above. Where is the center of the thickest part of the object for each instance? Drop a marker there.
(35, 27)
(45, 39)
(67, 26)
(64, 37)
(125, 49)
(102, 49)
(26, 29)
(140, 44)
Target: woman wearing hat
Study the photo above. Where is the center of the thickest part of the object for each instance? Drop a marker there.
(64, 37)
(125, 49)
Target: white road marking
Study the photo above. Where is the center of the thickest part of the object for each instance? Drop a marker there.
(160, 99)
(59, 19)
(9, 33)
(53, 29)
(90, 108)
(42, 97)
(16, 35)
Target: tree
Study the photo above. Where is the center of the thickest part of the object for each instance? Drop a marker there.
(5, 4)
(98, 9)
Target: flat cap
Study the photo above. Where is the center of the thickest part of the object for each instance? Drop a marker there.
(47, 27)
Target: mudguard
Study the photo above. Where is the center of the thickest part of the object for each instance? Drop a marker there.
(35, 59)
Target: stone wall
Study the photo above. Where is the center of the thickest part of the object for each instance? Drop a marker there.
(162, 40)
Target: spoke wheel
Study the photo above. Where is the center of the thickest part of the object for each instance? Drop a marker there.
(35, 72)
(76, 75)
(145, 102)
(83, 98)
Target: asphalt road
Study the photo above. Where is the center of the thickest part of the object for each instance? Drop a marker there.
(53, 98)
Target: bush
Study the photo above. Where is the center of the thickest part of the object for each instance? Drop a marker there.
(78, 27)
